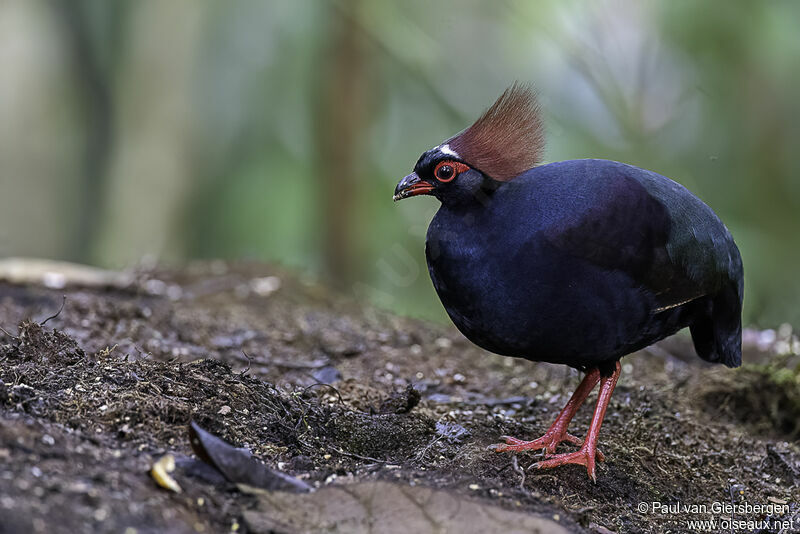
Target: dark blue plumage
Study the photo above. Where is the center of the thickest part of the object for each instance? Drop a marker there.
(581, 262)
(578, 262)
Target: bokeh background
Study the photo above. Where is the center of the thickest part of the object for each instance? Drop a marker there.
(159, 130)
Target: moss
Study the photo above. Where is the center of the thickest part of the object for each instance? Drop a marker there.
(765, 397)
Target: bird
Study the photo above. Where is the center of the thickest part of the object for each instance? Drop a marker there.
(577, 262)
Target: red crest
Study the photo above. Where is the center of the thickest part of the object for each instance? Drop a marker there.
(508, 139)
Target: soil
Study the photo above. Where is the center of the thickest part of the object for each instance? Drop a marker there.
(336, 393)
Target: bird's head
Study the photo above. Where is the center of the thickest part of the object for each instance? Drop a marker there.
(504, 142)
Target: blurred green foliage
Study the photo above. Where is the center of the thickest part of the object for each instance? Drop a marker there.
(277, 130)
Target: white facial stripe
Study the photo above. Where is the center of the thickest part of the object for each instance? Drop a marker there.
(445, 149)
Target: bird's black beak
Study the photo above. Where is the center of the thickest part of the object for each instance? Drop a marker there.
(411, 186)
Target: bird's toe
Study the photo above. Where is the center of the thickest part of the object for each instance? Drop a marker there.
(584, 457)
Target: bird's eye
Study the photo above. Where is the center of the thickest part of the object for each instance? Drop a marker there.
(444, 172)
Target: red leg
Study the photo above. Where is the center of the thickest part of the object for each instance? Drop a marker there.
(558, 430)
(588, 451)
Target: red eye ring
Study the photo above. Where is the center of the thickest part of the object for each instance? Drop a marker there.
(448, 175)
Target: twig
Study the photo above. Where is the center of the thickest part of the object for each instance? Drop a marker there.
(517, 469)
(421, 455)
(63, 301)
(248, 364)
(354, 455)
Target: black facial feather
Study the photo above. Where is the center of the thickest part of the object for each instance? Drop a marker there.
(507, 139)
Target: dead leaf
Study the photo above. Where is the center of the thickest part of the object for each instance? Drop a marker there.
(388, 508)
(238, 465)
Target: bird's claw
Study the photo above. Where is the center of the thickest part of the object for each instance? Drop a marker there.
(598, 455)
(585, 456)
(548, 442)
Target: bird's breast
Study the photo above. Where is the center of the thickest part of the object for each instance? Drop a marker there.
(474, 273)
(512, 292)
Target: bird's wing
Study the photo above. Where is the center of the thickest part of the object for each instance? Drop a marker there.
(628, 229)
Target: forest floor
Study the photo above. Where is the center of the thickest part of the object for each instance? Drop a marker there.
(91, 397)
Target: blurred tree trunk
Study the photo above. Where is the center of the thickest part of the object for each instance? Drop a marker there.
(93, 77)
(341, 97)
(150, 171)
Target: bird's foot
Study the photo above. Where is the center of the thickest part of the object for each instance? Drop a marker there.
(548, 442)
(584, 456)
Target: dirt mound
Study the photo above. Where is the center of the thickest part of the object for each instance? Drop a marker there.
(765, 398)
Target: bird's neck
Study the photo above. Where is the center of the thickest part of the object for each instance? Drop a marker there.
(469, 199)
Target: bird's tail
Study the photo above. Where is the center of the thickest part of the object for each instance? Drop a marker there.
(717, 334)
